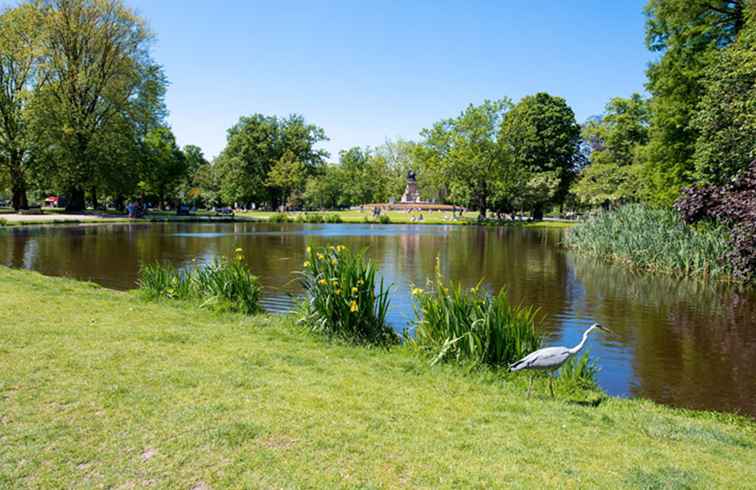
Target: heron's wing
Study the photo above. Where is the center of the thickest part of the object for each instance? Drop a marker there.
(550, 357)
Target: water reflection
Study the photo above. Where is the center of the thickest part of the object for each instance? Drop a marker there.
(679, 342)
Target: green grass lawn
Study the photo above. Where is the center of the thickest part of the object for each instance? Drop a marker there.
(101, 389)
(401, 217)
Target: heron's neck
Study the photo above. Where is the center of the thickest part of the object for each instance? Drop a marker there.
(577, 348)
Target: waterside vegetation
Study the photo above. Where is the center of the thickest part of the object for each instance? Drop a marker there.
(654, 240)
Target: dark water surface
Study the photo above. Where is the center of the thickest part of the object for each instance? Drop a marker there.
(679, 342)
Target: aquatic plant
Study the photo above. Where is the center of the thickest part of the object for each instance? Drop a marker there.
(471, 326)
(223, 284)
(653, 239)
(344, 298)
(578, 373)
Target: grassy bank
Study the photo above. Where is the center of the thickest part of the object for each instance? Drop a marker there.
(55, 217)
(99, 388)
(401, 217)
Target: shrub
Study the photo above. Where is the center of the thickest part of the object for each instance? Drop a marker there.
(653, 239)
(734, 205)
(224, 284)
(384, 219)
(343, 298)
(280, 218)
(472, 326)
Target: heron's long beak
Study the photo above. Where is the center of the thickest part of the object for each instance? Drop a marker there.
(606, 330)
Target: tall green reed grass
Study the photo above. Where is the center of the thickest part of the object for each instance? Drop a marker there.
(226, 285)
(653, 239)
(345, 299)
(470, 326)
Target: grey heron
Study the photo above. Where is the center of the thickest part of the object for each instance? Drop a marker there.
(552, 358)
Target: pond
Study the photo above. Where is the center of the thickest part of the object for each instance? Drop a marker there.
(679, 342)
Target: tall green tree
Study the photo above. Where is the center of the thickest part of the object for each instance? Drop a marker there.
(253, 147)
(616, 142)
(287, 176)
(163, 165)
(688, 34)
(21, 57)
(726, 114)
(464, 153)
(543, 138)
(97, 60)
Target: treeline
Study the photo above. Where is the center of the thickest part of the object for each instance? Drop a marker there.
(82, 114)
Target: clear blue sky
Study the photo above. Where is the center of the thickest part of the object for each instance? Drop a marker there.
(367, 71)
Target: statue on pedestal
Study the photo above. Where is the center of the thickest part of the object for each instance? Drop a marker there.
(410, 192)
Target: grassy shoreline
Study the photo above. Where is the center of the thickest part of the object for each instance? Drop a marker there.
(100, 388)
(348, 217)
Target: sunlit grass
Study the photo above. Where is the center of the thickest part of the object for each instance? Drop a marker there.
(102, 389)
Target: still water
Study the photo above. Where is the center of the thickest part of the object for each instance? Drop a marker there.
(679, 342)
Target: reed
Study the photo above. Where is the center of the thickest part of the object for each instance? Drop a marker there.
(471, 326)
(653, 239)
(579, 373)
(222, 285)
(345, 299)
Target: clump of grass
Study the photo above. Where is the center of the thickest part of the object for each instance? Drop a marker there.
(653, 239)
(344, 298)
(280, 218)
(470, 326)
(579, 373)
(384, 219)
(224, 284)
(333, 218)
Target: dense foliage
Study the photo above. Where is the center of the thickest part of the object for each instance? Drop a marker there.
(653, 239)
(472, 326)
(345, 300)
(733, 204)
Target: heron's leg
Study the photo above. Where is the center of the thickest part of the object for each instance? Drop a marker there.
(551, 386)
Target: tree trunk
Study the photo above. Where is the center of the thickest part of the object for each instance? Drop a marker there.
(94, 198)
(118, 202)
(538, 213)
(18, 183)
(76, 203)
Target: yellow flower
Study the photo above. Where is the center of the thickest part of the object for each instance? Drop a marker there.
(322, 282)
(416, 291)
(341, 248)
(321, 256)
(354, 290)
(238, 250)
(334, 281)
(309, 250)
(334, 261)
(307, 263)
(331, 247)
(360, 282)
(338, 292)
(354, 307)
